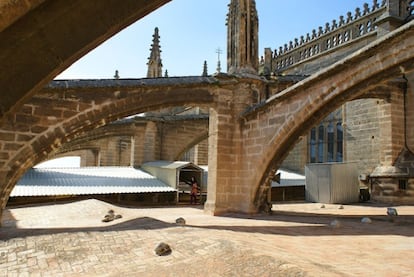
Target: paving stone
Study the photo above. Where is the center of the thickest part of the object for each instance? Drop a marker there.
(262, 245)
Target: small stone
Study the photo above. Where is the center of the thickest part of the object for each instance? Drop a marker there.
(180, 221)
(392, 212)
(341, 207)
(323, 206)
(335, 224)
(366, 220)
(110, 216)
(163, 249)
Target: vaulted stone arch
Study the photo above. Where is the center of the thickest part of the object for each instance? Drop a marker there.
(376, 70)
(247, 147)
(247, 140)
(176, 134)
(62, 111)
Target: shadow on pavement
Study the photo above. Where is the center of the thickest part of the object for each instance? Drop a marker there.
(142, 223)
(315, 224)
(281, 222)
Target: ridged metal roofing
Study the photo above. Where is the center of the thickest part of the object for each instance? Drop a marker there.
(170, 164)
(288, 179)
(87, 180)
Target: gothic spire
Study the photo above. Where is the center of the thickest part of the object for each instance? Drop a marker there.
(154, 61)
(205, 71)
(242, 37)
(116, 76)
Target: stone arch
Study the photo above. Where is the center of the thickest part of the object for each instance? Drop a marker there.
(100, 112)
(291, 131)
(177, 133)
(308, 102)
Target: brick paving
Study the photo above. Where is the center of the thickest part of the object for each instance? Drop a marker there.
(70, 239)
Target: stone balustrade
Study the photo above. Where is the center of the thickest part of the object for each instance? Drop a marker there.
(331, 36)
(410, 10)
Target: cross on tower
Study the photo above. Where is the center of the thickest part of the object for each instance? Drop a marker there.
(219, 52)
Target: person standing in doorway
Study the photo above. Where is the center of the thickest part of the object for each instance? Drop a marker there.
(194, 191)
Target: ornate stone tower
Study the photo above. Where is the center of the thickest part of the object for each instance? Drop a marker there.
(242, 37)
(155, 63)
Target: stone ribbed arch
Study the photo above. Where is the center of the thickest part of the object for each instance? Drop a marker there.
(244, 146)
(246, 151)
(275, 127)
(66, 110)
(176, 135)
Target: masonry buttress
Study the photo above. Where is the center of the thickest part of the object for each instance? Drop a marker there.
(229, 184)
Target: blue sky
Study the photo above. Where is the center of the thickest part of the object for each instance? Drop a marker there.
(192, 30)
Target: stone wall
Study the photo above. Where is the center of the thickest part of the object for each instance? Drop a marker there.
(298, 157)
(362, 133)
(202, 153)
(179, 136)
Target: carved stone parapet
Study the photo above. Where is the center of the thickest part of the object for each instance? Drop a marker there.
(330, 36)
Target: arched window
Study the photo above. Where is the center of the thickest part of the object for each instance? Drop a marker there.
(312, 146)
(330, 142)
(321, 142)
(339, 142)
(326, 140)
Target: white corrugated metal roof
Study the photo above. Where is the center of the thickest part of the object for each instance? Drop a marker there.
(289, 179)
(170, 164)
(87, 180)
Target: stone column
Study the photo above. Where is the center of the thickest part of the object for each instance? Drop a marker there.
(3, 196)
(268, 58)
(151, 143)
(5, 190)
(228, 188)
(391, 123)
(132, 155)
(409, 102)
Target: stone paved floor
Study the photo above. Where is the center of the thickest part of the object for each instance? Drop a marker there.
(296, 240)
